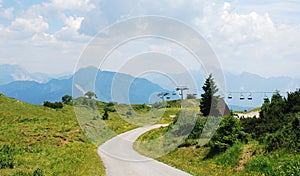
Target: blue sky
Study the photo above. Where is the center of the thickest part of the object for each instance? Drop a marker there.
(261, 37)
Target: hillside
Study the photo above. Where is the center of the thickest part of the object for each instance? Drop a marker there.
(267, 145)
(39, 139)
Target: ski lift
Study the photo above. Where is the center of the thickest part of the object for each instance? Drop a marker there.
(242, 97)
(250, 96)
(229, 96)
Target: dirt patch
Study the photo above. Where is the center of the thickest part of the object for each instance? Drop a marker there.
(246, 155)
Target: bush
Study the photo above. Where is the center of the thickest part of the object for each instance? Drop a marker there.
(229, 133)
(287, 137)
(196, 133)
(128, 113)
(67, 99)
(55, 105)
(38, 172)
(105, 115)
(278, 125)
(6, 157)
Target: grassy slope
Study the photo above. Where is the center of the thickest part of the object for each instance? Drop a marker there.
(241, 159)
(189, 159)
(47, 139)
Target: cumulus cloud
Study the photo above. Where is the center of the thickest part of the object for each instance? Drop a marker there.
(7, 13)
(43, 38)
(35, 25)
(81, 5)
(70, 30)
(254, 36)
(252, 42)
(107, 13)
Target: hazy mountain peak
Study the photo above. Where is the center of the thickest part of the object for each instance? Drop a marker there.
(11, 72)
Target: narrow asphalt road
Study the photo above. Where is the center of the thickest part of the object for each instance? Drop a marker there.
(121, 160)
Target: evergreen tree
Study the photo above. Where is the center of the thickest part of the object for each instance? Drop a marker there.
(105, 115)
(228, 133)
(67, 99)
(209, 101)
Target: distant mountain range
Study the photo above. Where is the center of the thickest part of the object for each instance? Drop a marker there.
(36, 93)
(257, 87)
(111, 86)
(10, 73)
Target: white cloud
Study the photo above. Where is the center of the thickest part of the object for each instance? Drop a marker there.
(244, 27)
(261, 36)
(74, 23)
(107, 12)
(7, 13)
(70, 31)
(81, 5)
(252, 42)
(34, 25)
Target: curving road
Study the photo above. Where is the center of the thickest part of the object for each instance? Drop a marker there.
(121, 160)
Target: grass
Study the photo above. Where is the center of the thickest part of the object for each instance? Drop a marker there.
(189, 159)
(160, 141)
(64, 141)
(240, 159)
(45, 139)
(231, 157)
(98, 130)
(278, 162)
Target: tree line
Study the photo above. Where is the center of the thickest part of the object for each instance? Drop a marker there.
(276, 127)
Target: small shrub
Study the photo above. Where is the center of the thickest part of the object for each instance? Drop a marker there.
(38, 172)
(67, 99)
(105, 115)
(228, 133)
(197, 131)
(6, 157)
(55, 105)
(128, 113)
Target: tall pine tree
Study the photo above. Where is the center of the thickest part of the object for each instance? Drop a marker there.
(209, 101)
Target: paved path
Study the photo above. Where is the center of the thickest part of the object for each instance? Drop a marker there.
(121, 160)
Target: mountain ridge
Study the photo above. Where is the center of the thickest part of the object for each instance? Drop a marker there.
(36, 93)
(55, 87)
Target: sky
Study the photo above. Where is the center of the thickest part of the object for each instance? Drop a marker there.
(261, 37)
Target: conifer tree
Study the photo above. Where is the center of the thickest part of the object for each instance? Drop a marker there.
(209, 101)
